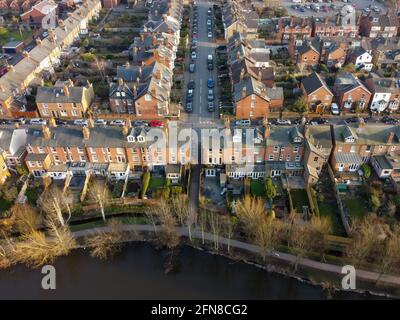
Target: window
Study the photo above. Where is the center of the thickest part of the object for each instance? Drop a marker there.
(340, 148)
(281, 157)
(80, 150)
(83, 158)
(297, 158)
(288, 158)
(74, 113)
(315, 159)
(368, 149)
(94, 158)
(276, 148)
(296, 149)
(271, 157)
(147, 97)
(353, 149)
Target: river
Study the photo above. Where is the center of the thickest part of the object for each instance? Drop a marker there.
(137, 272)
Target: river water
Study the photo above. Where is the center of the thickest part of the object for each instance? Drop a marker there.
(137, 272)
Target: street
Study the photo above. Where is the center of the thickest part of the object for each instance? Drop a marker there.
(205, 46)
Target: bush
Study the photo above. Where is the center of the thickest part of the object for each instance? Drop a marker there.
(145, 183)
(176, 190)
(374, 202)
(366, 169)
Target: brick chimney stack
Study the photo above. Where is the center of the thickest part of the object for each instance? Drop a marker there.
(390, 138)
(86, 133)
(46, 132)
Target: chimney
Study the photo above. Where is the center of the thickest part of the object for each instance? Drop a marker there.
(244, 92)
(267, 131)
(120, 81)
(238, 55)
(390, 138)
(326, 20)
(154, 40)
(16, 125)
(25, 54)
(125, 130)
(241, 74)
(259, 75)
(10, 68)
(86, 133)
(90, 122)
(52, 122)
(139, 72)
(70, 83)
(2, 88)
(134, 90)
(38, 41)
(127, 64)
(66, 91)
(141, 38)
(158, 74)
(46, 132)
(153, 90)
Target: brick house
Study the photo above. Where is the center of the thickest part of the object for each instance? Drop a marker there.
(374, 26)
(318, 141)
(252, 99)
(317, 93)
(308, 55)
(284, 151)
(297, 27)
(385, 93)
(356, 144)
(122, 97)
(67, 101)
(334, 55)
(333, 27)
(350, 92)
(35, 15)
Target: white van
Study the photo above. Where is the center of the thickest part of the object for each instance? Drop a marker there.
(243, 122)
(37, 121)
(335, 109)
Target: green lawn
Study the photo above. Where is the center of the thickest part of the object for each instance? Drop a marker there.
(4, 206)
(330, 210)
(156, 182)
(257, 188)
(32, 195)
(14, 35)
(300, 199)
(355, 208)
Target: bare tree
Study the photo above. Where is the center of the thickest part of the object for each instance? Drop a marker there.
(35, 248)
(25, 218)
(364, 240)
(186, 214)
(229, 224)
(319, 228)
(100, 65)
(99, 193)
(389, 257)
(215, 224)
(52, 203)
(105, 243)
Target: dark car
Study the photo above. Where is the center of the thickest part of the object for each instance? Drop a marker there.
(189, 106)
(61, 122)
(191, 84)
(210, 66)
(192, 67)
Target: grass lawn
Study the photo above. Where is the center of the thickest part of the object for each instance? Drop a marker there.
(300, 199)
(4, 206)
(32, 195)
(330, 210)
(257, 188)
(156, 182)
(355, 208)
(14, 35)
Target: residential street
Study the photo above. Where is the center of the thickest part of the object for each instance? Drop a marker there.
(205, 46)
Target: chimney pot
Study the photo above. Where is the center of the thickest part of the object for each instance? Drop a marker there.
(86, 133)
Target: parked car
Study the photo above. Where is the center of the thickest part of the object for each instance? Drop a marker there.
(140, 123)
(189, 95)
(192, 67)
(210, 95)
(282, 122)
(37, 121)
(61, 122)
(100, 122)
(81, 122)
(243, 122)
(335, 109)
(210, 66)
(209, 22)
(191, 84)
(117, 123)
(156, 123)
(209, 34)
(189, 106)
(210, 106)
(20, 120)
(210, 83)
(194, 56)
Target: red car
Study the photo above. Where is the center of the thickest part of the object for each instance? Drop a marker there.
(156, 123)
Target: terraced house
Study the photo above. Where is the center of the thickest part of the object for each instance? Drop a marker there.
(46, 54)
(66, 101)
(357, 144)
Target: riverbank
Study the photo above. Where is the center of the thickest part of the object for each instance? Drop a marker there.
(138, 272)
(314, 272)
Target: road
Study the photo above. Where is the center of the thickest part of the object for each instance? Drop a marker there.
(205, 46)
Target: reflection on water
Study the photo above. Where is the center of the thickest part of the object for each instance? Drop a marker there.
(138, 273)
